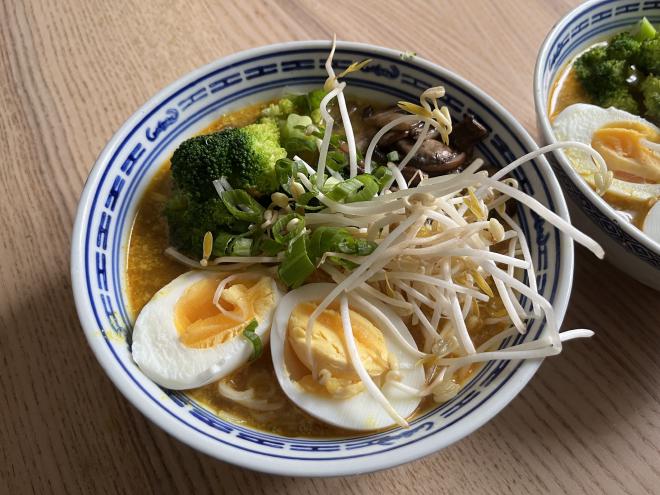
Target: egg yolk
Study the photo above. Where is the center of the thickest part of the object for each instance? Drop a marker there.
(337, 375)
(624, 146)
(200, 323)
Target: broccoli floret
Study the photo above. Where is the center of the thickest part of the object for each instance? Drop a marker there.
(279, 109)
(621, 99)
(623, 46)
(252, 167)
(651, 93)
(189, 219)
(305, 104)
(246, 156)
(648, 59)
(599, 75)
(198, 161)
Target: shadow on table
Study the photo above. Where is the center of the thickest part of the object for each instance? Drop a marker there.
(79, 431)
(602, 392)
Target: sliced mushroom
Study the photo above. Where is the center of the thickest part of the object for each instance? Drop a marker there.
(379, 119)
(416, 130)
(382, 118)
(467, 134)
(433, 157)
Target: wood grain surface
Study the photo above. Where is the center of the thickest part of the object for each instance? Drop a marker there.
(72, 72)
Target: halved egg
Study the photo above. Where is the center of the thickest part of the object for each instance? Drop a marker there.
(337, 395)
(651, 226)
(183, 340)
(627, 142)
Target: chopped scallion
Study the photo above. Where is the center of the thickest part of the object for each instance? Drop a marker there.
(242, 206)
(250, 335)
(393, 156)
(296, 265)
(241, 246)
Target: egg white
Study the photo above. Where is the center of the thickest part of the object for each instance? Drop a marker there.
(578, 122)
(651, 225)
(162, 357)
(359, 412)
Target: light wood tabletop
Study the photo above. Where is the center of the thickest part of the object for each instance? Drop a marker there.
(72, 72)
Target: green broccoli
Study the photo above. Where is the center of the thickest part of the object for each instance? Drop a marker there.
(651, 93)
(189, 219)
(648, 59)
(252, 165)
(246, 156)
(615, 74)
(600, 75)
(621, 99)
(624, 47)
(304, 104)
(279, 109)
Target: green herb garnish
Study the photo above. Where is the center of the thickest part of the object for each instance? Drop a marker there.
(254, 339)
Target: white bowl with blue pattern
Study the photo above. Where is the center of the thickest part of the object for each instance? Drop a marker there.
(625, 246)
(133, 155)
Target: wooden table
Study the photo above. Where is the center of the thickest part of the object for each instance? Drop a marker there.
(70, 74)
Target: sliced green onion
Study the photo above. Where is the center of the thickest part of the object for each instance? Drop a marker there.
(329, 184)
(280, 232)
(309, 201)
(355, 245)
(285, 169)
(270, 247)
(345, 189)
(393, 156)
(293, 134)
(338, 239)
(254, 339)
(337, 160)
(241, 247)
(645, 30)
(296, 145)
(221, 242)
(336, 140)
(383, 175)
(369, 190)
(242, 206)
(359, 188)
(324, 239)
(296, 265)
(349, 265)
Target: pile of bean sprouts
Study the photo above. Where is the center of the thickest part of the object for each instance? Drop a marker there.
(443, 246)
(422, 272)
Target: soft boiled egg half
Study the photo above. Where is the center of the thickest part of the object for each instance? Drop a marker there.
(337, 395)
(183, 339)
(629, 144)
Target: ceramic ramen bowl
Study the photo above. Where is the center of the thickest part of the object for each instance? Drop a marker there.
(625, 246)
(132, 157)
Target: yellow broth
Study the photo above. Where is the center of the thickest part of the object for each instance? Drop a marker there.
(148, 269)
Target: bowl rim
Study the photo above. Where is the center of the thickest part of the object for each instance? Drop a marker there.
(545, 127)
(369, 463)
